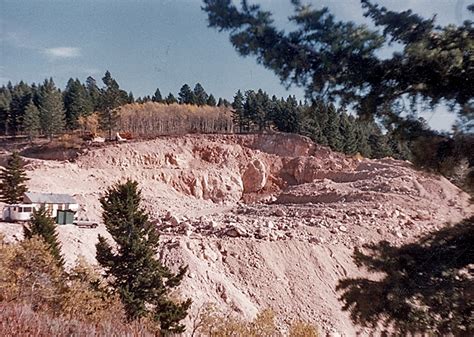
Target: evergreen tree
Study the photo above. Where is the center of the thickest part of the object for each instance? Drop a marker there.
(257, 108)
(398, 147)
(111, 98)
(31, 121)
(142, 282)
(332, 131)
(226, 103)
(200, 95)
(5, 100)
(157, 96)
(238, 110)
(378, 145)
(13, 178)
(170, 99)
(43, 225)
(130, 98)
(220, 102)
(186, 96)
(94, 92)
(146, 99)
(347, 130)
(51, 109)
(322, 116)
(362, 131)
(310, 124)
(21, 95)
(211, 101)
(77, 103)
(286, 114)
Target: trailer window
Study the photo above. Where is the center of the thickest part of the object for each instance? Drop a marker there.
(27, 209)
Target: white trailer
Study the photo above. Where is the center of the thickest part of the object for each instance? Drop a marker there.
(17, 212)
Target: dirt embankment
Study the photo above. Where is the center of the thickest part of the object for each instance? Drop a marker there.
(261, 220)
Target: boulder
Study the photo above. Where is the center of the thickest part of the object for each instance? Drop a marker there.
(174, 221)
(255, 176)
(235, 231)
(279, 212)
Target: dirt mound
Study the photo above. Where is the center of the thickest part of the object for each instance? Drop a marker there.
(262, 220)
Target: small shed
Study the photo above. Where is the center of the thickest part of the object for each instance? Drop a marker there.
(65, 217)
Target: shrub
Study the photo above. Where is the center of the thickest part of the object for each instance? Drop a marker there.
(209, 321)
(302, 329)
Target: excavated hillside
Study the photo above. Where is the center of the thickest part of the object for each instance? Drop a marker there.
(262, 221)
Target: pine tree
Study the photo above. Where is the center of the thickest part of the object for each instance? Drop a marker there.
(51, 109)
(310, 124)
(13, 178)
(43, 225)
(316, 121)
(77, 103)
(200, 95)
(5, 100)
(286, 114)
(142, 283)
(21, 95)
(332, 131)
(31, 121)
(361, 131)
(130, 98)
(93, 91)
(347, 130)
(398, 147)
(157, 96)
(324, 54)
(111, 98)
(170, 99)
(238, 110)
(211, 101)
(186, 96)
(257, 107)
(378, 145)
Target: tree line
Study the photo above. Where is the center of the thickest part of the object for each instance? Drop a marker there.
(46, 110)
(197, 96)
(43, 109)
(323, 123)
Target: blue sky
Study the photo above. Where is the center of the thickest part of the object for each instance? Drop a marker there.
(157, 43)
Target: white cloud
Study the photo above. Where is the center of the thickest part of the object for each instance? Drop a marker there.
(63, 52)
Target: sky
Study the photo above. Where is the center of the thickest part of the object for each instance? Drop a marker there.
(147, 44)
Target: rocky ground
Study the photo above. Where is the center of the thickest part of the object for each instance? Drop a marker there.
(262, 220)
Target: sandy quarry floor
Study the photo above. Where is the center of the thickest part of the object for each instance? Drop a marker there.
(261, 220)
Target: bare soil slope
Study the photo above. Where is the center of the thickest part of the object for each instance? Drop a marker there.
(262, 220)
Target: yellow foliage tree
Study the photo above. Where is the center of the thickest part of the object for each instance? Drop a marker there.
(30, 274)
